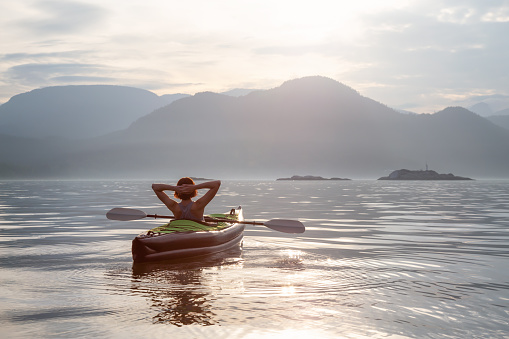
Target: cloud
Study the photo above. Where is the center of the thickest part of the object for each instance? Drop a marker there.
(295, 50)
(23, 57)
(43, 73)
(429, 54)
(63, 17)
(502, 15)
(81, 79)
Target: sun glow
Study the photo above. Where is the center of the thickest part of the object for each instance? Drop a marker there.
(288, 22)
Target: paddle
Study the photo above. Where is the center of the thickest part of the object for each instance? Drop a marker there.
(281, 225)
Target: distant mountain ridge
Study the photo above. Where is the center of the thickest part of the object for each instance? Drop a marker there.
(77, 112)
(486, 110)
(81, 111)
(500, 120)
(306, 125)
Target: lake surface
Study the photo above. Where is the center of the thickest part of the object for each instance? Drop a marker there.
(379, 259)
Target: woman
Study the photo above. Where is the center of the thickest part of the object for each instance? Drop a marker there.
(185, 190)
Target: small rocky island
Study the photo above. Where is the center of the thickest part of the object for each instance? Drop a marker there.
(310, 177)
(200, 179)
(404, 174)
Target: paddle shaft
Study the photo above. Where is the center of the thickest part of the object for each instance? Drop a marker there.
(281, 225)
(155, 216)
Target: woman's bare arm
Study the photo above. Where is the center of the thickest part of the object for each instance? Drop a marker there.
(170, 203)
(213, 187)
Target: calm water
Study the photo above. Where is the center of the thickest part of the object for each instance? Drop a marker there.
(378, 259)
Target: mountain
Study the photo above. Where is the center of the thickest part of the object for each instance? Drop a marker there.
(306, 123)
(315, 125)
(486, 105)
(500, 120)
(77, 112)
(481, 108)
(502, 112)
(312, 125)
(238, 92)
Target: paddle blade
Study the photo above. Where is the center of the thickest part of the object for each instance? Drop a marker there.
(125, 214)
(286, 226)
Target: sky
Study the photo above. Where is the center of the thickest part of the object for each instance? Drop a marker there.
(416, 55)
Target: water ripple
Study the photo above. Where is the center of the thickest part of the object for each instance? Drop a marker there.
(378, 259)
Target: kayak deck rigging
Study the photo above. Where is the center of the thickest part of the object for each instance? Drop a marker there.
(213, 222)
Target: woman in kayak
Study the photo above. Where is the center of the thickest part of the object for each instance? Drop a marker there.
(185, 190)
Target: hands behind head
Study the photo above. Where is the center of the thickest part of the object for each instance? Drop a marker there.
(185, 189)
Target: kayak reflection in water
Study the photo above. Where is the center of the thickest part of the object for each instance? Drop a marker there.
(185, 190)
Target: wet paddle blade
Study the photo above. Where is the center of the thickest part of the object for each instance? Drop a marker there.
(286, 226)
(125, 214)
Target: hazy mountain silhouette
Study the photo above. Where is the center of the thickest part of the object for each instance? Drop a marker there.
(481, 108)
(238, 92)
(500, 120)
(77, 111)
(312, 125)
(488, 105)
(502, 112)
